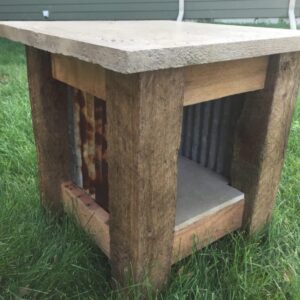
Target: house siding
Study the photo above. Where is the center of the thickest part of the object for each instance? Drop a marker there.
(142, 9)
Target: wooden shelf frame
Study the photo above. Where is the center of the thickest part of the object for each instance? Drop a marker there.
(201, 82)
(194, 233)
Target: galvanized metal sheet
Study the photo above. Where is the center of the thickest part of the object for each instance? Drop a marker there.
(208, 132)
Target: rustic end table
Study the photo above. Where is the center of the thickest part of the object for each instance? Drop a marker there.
(108, 99)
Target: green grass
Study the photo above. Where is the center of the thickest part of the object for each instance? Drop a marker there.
(41, 258)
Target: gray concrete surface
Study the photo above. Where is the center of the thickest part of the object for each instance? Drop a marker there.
(200, 192)
(137, 46)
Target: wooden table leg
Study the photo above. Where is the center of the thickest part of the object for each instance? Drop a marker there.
(50, 125)
(261, 138)
(144, 114)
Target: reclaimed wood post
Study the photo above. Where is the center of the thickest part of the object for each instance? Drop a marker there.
(48, 99)
(144, 114)
(261, 138)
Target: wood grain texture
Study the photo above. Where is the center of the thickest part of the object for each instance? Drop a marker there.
(82, 75)
(92, 218)
(207, 230)
(95, 221)
(48, 99)
(202, 82)
(144, 123)
(206, 223)
(213, 81)
(261, 138)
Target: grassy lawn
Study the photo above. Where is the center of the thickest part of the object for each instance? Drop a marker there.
(41, 258)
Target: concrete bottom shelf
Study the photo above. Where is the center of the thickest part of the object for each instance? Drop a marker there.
(201, 192)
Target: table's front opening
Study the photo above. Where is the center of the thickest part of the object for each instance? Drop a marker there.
(207, 206)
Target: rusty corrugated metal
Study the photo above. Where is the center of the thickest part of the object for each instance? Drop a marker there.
(208, 132)
(101, 183)
(207, 138)
(88, 127)
(87, 130)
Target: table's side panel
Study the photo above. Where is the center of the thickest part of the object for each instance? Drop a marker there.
(49, 109)
(82, 75)
(261, 138)
(89, 144)
(144, 114)
(91, 217)
(207, 229)
(213, 81)
(202, 82)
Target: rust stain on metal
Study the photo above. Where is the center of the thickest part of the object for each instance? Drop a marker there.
(91, 145)
(101, 182)
(77, 138)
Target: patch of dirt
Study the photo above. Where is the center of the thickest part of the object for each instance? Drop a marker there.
(3, 79)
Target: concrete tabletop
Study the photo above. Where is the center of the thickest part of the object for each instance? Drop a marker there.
(137, 46)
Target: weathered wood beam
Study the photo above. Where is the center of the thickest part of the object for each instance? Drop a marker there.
(144, 114)
(49, 108)
(82, 75)
(261, 138)
(213, 81)
(202, 82)
(209, 228)
(92, 218)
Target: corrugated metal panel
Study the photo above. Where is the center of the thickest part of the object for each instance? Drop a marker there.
(141, 9)
(87, 130)
(207, 138)
(208, 132)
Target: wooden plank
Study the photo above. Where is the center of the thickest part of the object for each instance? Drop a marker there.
(261, 138)
(207, 229)
(48, 99)
(202, 82)
(82, 75)
(92, 218)
(144, 113)
(217, 80)
(211, 210)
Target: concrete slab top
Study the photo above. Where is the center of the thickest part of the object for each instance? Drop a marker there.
(138, 46)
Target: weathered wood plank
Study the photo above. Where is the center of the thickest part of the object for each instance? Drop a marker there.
(207, 229)
(213, 81)
(50, 124)
(202, 82)
(144, 114)
(92, 218)
(261, 138)
(82, 75)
